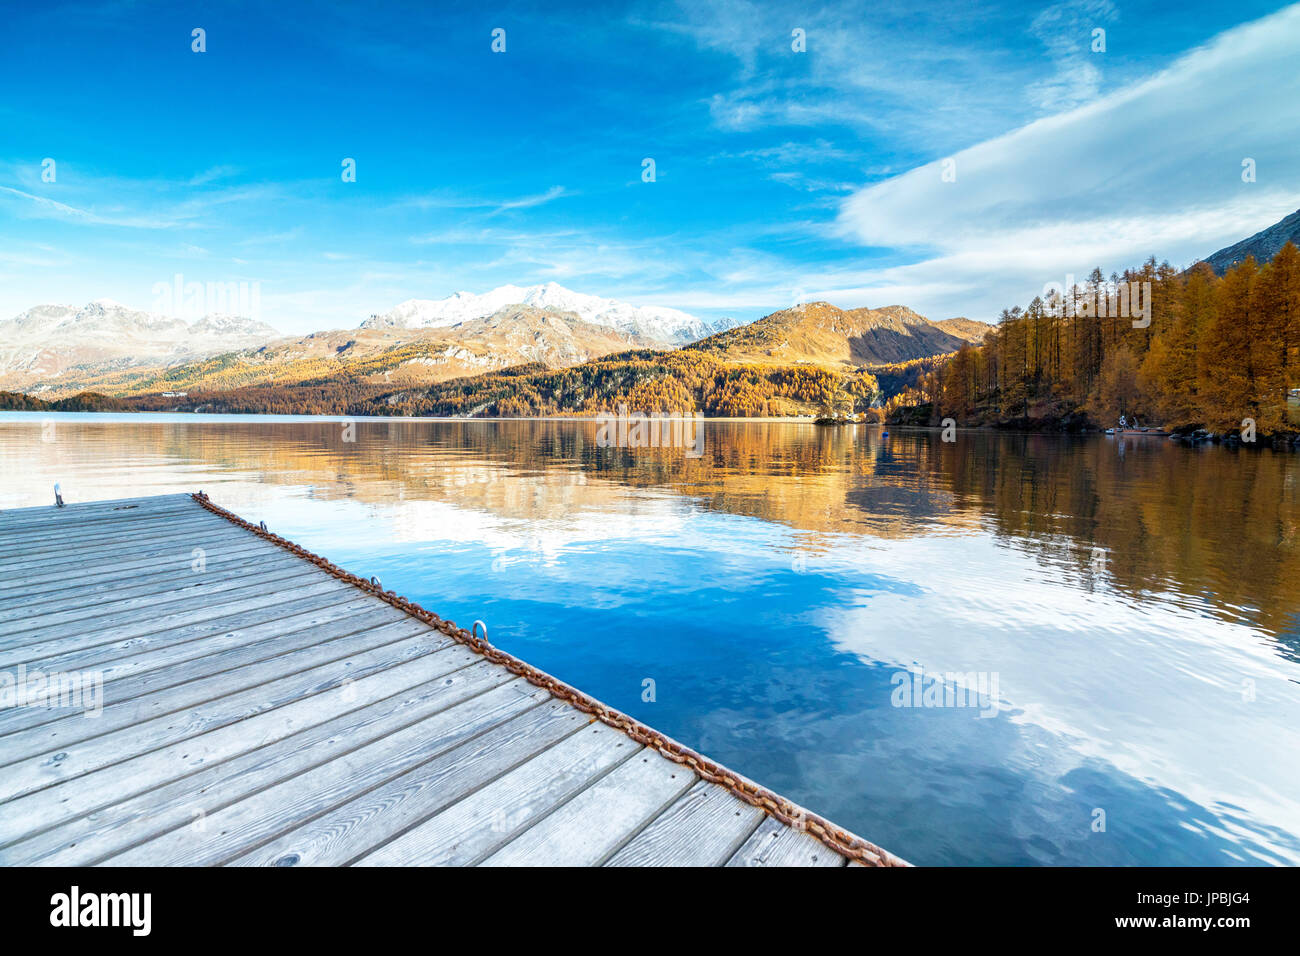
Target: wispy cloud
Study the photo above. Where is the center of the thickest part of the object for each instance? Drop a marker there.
(527, 202)
(801, 180)
(792, 153)
(450, 199)
(45, 207)
(212, 174)
(128, 203)
(272, 238)
(1066, 32)
(923, 75)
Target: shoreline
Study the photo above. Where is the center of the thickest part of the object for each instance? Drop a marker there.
(1284, 442)
(6, 414)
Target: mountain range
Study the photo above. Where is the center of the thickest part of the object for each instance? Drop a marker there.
(47, 342)
(386, 356)
(649, 323)
(110, 348)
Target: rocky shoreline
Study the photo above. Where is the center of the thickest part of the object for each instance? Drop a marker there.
(1078, 423)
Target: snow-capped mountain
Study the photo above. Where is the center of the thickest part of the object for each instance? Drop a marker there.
(109, 320)
(102, 318)
(105, 343)
(659, 324)
(48, 339)
(233, 326)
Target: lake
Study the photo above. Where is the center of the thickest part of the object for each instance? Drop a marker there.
(1008, 649)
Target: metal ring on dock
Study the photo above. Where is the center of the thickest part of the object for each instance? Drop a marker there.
(473, 631)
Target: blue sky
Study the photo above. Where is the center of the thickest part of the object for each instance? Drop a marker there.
(780, 175)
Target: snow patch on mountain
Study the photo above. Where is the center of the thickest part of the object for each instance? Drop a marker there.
(47, 339)
(651, 322)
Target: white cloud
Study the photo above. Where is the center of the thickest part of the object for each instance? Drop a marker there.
(912, 73)
(794, 153)
(453, 200)
(1152, 169)
(212, 174)
(527, 202)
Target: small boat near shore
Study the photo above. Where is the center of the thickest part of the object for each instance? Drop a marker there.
(1139, 432)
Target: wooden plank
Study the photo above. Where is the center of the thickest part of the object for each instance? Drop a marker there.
(599, 820)
(104, 504)
(242, 826)
(55, 520)
(134, 677)
(175, 557)
(91, 582)
(160, 584)
(121, 610)
(73, 637)
(358, 826)
(43, 537)
(703, 828)
(225, 631)
(169, 649)
(85, 552)
(78, 509)
(136, 712)
(247, 587)
(132, 545)
(42, 571)
(92, 837)
(53, 765)
(73, 512)
(775, 844)
(35, 542)
(175, 590)
(470, 829)
(117, 781)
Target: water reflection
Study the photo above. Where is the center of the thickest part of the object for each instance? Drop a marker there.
(1136, 600)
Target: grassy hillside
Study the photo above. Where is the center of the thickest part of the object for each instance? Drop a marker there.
(820, 334)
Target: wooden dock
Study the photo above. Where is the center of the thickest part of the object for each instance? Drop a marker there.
(258, 706)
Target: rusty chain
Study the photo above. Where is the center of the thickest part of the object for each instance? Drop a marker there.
(838, 839)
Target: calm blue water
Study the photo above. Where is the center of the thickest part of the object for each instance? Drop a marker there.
(1128, 611)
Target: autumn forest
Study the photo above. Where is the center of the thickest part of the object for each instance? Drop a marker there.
(1218, 352)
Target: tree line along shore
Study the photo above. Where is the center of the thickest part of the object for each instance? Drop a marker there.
(1215, 357)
